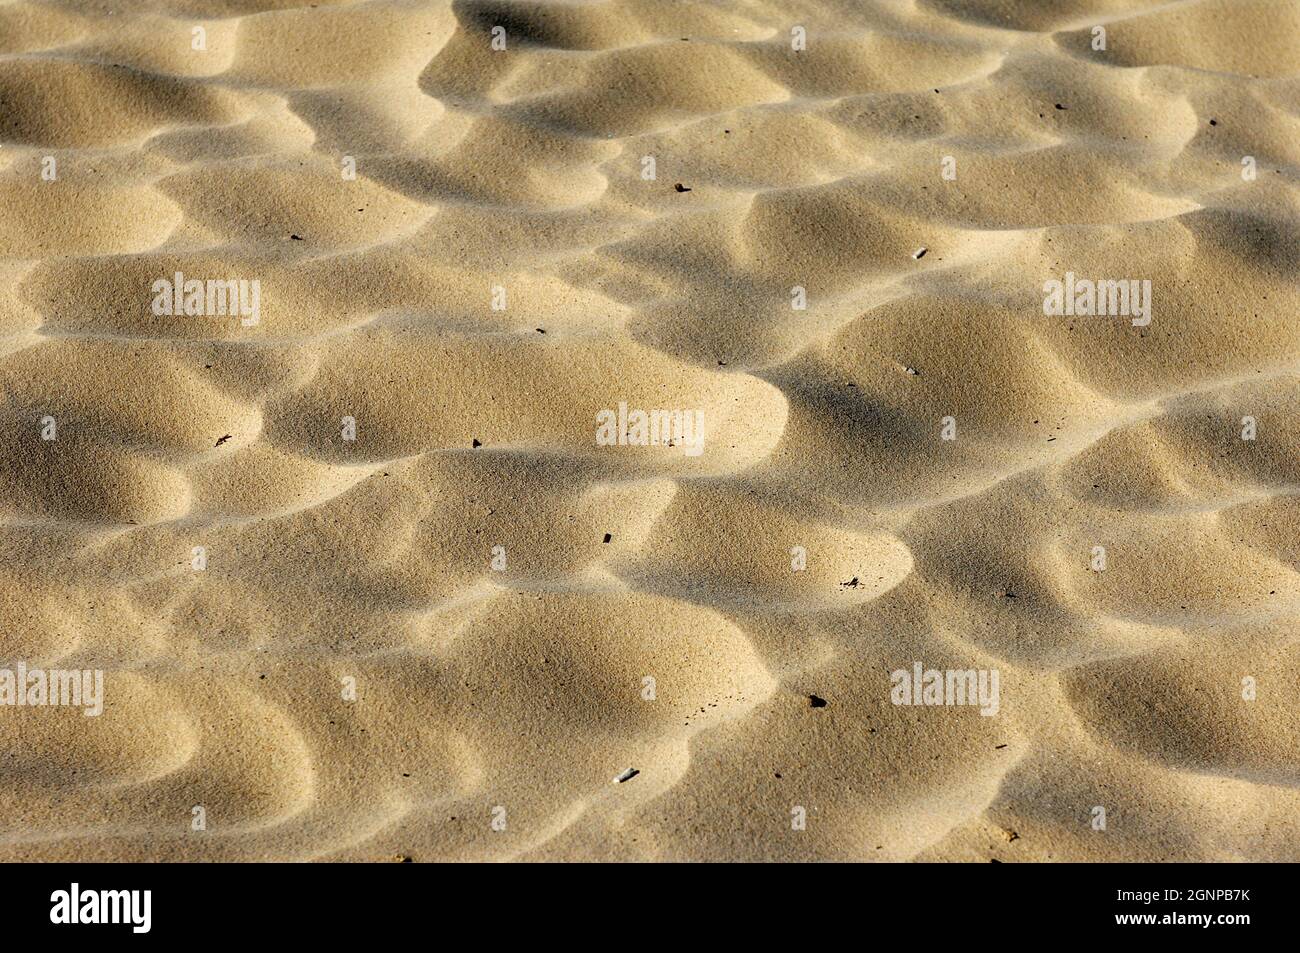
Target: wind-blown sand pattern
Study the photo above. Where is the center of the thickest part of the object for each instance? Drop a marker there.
(519, 694)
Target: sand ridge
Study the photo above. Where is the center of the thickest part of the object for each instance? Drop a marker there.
(433, 641)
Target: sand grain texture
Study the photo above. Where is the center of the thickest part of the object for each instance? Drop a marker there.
(369, 560)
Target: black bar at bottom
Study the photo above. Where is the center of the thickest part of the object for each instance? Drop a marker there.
(637, 904)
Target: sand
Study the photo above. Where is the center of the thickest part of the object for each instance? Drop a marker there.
(365, 583)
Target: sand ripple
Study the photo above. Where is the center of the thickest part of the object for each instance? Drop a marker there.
(337, 565)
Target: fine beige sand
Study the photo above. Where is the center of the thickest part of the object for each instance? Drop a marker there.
(444, 639)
